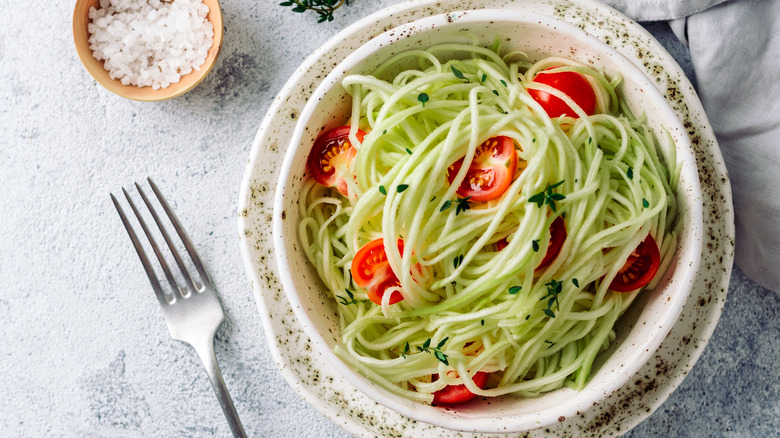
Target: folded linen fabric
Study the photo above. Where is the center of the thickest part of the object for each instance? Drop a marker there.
(735, 52)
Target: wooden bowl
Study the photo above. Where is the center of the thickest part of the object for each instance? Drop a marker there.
(95, 68)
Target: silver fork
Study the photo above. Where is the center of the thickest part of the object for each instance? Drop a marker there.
(193, 312)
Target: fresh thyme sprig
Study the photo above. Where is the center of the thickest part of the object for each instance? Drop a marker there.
(553, 289)
(323, 8)
(463, 205)
(436, 351)
(351, 299)
(547, 196)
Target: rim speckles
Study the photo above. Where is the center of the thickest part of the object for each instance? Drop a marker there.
(332, 395)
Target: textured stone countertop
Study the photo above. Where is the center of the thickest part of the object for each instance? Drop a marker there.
(84, 350)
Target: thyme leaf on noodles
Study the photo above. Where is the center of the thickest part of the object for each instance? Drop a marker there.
(484, 77)
(446, 205)
(408, 151)
(382, 190)
(351, 299)
(495, 92)
(553, 289)
(463, 205)
(436, 351)
(549, 342)
(645, 204)
(482, 322)
(406, 350)
(547, 196)
(457, 261)
(630, 172)
(515, 289)
(401, 187)
(422, 97)
(576, 282)
(502, 82)
(458, 74)
(535, 245)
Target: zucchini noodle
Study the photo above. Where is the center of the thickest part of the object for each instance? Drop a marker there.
(465, 301)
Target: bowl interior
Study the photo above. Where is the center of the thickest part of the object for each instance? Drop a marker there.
(639, 332)
(95, 67)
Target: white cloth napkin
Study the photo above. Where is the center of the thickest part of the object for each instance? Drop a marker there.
(735, 51)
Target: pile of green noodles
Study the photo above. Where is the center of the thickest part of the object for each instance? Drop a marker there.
(478, 308)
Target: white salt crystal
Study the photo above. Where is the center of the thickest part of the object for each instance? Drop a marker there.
(170, 37)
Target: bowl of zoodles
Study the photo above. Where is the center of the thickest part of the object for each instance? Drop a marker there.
(487, 220)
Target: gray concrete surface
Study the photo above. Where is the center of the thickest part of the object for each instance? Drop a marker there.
(83, 347)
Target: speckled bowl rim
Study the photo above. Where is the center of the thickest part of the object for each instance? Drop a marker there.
(621, 411)
(653, 331)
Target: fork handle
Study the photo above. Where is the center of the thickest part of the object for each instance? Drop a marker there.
(206, 353)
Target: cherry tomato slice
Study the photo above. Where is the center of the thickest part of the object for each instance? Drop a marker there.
(557, 236)
(640, 268)
(330, 156)
(372, 272)
(570, 83)
(454, 394)
(491, 170)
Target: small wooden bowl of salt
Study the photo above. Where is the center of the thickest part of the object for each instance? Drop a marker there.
(148, 50)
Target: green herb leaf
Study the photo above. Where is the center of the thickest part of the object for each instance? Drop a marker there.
(422, 97)
(427, 343)
(463, 205)
(382, 190)
(547, 196)
(446, 205)
(408, 151)
(482, 322)
(630, 172)
(495, 92)
(457, 73)
(441, 356)
(406, 350)
(645, 204)
(457, 261)
(442, 342)
(549, 313)
(527, 317)
(538, 199)
(515, 289)
(535, 245)
(502, 82)
(384, 132)
(484, 77)
(350, 299)
(401, 187)
(576, 283)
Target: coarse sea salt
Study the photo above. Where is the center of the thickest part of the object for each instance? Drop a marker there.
(150, 43)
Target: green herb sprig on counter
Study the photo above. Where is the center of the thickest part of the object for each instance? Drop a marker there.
(323, 8)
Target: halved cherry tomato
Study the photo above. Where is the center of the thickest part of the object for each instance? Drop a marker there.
(491, 170)
(557, 236)
(640, 268)
(330, 156)
(372, 272)
(453, 394)
(570, 83)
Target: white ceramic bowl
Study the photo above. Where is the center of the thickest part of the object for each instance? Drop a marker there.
(639, 331)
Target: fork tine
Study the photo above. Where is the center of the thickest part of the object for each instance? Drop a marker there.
(141, 254)
(155, 248)
(182, 234)
(186, 273)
